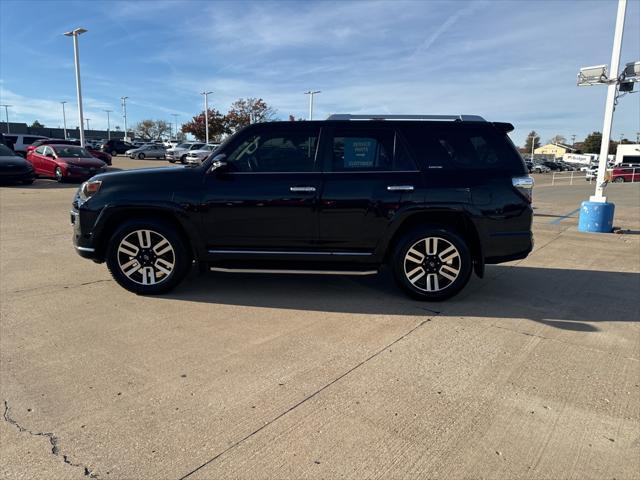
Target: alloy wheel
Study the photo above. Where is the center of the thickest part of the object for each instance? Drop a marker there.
(58, 174)
(432, 264)
(146, 257)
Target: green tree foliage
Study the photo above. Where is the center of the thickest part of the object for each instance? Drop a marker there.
(37, 124)
(533, 136)
(245, 111)
(152, 129)
(593, 142)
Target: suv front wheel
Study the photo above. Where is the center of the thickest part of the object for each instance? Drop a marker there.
(432, 263)
(147, 257)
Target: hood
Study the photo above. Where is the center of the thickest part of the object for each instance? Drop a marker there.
(14, 162)
(149, 176)
(83, 162)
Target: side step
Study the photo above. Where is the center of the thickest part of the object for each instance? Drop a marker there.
(302, 272)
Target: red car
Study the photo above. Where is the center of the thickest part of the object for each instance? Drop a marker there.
(105, 157)
(625, 173)
(65, 162)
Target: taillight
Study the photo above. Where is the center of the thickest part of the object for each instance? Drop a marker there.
(524, 186)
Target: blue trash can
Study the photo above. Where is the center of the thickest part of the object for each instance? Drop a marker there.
(596, 217)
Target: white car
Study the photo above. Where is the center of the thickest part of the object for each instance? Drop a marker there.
(180, 152)
(198, 156)
(19, 142)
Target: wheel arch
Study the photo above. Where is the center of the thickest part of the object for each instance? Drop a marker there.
(457, 220)
(117, 216)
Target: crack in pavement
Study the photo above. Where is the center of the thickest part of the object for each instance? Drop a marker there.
(53, 440)
(308, 397)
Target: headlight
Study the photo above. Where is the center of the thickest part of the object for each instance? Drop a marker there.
(89, 189)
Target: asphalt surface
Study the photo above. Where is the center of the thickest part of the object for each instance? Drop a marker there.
(532, 372)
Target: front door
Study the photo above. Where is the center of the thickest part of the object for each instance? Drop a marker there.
(368, 176)
(265, 198)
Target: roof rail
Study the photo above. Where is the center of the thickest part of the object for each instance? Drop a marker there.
(458, 118)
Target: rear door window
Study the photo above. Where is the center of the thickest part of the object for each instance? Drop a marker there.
(356, 149)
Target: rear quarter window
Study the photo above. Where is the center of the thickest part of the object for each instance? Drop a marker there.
(461, 147)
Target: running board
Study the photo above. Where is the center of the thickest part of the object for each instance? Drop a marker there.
(303, 272)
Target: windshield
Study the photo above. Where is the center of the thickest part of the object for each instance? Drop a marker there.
(197, 146)
(183, 145)
(6, 151)
(72, 152)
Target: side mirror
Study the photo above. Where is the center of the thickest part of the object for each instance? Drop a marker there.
(219, 163)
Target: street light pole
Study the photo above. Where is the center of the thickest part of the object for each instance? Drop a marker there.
(87, 119)
(311, 94)
(175, 119)
(124, 114)
(108, 124)
(64, 120)
(6, 112)
(206, 115)
(75, 33)
(612, 90)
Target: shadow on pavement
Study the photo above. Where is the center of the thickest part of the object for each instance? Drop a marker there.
(557, 297)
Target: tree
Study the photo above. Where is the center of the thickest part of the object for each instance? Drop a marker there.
(556, 139)
(152, 129)
(593, 142)
(218, 126)
(246, 111)
(533, 136)
(37, 124)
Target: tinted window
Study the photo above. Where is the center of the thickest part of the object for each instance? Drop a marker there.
(72, 152)
(290, 151)
(30, 140)
(40, 150)
(462, 148)
(11, 138)
(368, 150)
(6, 151)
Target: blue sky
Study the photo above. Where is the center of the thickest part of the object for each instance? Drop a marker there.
(512, 61)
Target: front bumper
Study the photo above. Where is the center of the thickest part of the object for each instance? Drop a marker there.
(83, 239)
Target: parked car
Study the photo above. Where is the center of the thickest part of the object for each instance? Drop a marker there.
(180, 152)
(435, 199)
(148, 150)
(116, 147)
(105, 157)
(625, 173)
(171, 143)
(554, 166)
(14, 168)
(19, 142)
(539, 168)
(198, 156)
(65, 162)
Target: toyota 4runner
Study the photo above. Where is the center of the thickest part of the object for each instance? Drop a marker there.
(434, 197)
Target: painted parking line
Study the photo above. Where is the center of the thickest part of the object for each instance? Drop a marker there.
(564, 217)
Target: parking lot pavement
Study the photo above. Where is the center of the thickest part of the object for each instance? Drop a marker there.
(532, 372)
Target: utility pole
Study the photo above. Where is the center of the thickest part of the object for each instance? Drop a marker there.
(64, 120)
(311, 94)
(108, 124)
(75, 34)
(533, 145)
(206, 115)
(87, 119)
(124, 114)
(6, 112)
(573, 140)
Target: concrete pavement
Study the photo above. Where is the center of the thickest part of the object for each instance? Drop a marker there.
(532, 372)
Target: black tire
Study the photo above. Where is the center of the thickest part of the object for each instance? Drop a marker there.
(431, 270)
(59, 175)
(619, 180)
(114, 153)
(141, 156)
(172, 161)
(29, 181)
(183, 159)
(117, 259)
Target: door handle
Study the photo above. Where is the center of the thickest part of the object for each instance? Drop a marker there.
(400, 188)
(302, 189)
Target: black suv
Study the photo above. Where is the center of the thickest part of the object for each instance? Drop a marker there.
(435, 197)
(116, 147)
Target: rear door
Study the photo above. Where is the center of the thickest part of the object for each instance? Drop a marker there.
(368, 175)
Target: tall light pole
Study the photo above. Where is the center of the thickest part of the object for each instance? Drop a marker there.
(87, 119)
(75, 34)
(175, 119)
(311, 93)
(64, 120)
(124, 114)
(573, 140)
(206, 114)
(108, 124)
(6, 112)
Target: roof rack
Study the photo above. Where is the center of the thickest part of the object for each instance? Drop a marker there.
(457, 118)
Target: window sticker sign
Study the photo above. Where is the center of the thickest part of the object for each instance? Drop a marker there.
(359, 152)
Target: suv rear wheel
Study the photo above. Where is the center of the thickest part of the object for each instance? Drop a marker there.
(432, 263)
(147, 257)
